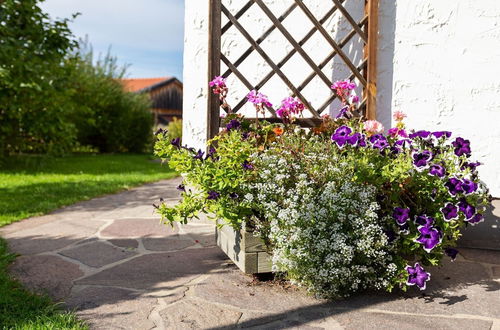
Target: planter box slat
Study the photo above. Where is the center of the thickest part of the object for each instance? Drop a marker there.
(245, 250)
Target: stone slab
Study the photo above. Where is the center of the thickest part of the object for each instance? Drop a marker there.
(125, 243)
(455, 288)
(50, 236)
(367, 321)
(192, 314)
(168, 269)
(485, 256)
(170, 243)
(112, 308)
(135, 228)
(49, 275)
(97, 254)
(485, 235)
(235, 289)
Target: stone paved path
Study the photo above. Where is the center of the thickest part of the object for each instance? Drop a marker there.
(111, 260)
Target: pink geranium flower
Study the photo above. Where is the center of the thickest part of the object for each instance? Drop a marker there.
(399, 115)
(373, 126)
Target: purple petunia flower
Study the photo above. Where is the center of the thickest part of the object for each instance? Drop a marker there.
(233, 195)
(450, 212)
(199, 155)
(176, 143)
(213, 195)
(454, 186)
(452, 253)
(421, 159)
(181, 187)
(404, 229)
(247, 166)
(357, 140)
(472, 166)
(340, 135)
(391, 235)
(439, 134)
(421, 134)
(468, 186)
(233, 124)
(462, 147)
(417, 276)
(210, 154)
(379, 141)
(467, 209)
(424, 220)
(343, 113)
(437, 170)
(429, 237)
(394, 132)
(477, 218)
(401, 215)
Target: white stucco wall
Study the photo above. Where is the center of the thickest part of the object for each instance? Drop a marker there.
(439, 61)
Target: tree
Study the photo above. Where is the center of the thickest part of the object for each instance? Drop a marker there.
(33, 91)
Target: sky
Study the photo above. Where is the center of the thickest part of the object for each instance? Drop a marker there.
(147, 35)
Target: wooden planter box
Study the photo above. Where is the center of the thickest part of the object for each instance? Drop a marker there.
(245, 250)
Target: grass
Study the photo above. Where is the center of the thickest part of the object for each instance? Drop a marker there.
(35, 185)
(21, 309)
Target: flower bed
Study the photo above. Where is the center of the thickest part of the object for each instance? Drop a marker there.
(341, 207)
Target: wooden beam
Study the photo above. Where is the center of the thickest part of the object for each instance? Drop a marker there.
(214, 52)
(371, 8)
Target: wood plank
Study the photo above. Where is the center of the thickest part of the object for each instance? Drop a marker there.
(283, 61)
(332, 42)
(269, 61)
(250, 49)
(214, 51)
(240, 13)
(264, 262)
(372, 7)
(294, 43)
(351, 20)
(243, 79)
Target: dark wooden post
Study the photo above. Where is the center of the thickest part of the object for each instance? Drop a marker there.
(371, 8)
(214, 51)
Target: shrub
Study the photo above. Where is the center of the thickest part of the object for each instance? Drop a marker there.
(105, 115)
(342, 206)
(174, 129)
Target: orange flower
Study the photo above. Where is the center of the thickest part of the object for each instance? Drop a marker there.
(278, 131)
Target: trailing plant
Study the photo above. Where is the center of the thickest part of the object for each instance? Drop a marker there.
(343, 206)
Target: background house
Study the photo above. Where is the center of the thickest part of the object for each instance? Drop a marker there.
(165, 93)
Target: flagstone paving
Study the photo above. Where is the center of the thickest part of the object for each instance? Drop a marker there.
(113, 262)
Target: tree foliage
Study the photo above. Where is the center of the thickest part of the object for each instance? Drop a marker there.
(33, 117)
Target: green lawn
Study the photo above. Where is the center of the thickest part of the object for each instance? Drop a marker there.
(34, 185)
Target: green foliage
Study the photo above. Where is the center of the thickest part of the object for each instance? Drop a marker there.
(33, 90)
(21, 309)
(174, 129)
(326, 200)
(221, 172)
(105, 115)
(65, 180)
(53, 98)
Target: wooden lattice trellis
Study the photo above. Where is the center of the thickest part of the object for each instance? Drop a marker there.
(366, 29)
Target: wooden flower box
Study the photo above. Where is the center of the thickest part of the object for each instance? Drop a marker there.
(245, 250)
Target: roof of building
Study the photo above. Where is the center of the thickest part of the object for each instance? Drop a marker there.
(146, 84)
